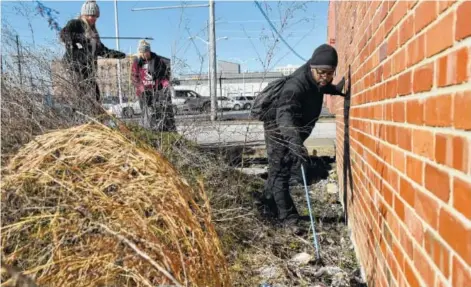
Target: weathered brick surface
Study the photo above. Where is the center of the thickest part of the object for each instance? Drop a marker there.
(408, 181)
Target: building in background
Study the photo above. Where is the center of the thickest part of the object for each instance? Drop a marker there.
(231, 82)
(226, 67)
(286, 70)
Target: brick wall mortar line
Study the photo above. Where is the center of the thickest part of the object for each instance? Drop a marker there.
(454, 174)
(464, 43)
(418, 96)
(440, 16)
(446, 130)
(404, 227)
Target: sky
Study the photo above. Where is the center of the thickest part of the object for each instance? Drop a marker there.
(170, 29)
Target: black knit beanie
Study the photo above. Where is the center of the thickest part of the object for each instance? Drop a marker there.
(325, 56)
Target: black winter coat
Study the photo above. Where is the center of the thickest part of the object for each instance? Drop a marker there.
(82, 58)
(299, 106)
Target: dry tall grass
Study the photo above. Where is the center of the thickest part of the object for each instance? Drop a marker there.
(86, 207)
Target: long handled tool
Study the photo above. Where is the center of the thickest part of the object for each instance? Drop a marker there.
(316, 245)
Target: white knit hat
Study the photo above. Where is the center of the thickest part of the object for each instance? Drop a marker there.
(143, 47)
(90, 8)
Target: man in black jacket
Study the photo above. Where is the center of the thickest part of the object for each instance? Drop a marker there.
(83, 46)
(290, 123)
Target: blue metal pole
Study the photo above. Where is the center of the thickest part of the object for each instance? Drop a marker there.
(310, 214)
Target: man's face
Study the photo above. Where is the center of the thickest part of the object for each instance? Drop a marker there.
(91, 19)
(323, 77)
(147, 55)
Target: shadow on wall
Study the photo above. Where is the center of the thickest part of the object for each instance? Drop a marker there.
(347, 165)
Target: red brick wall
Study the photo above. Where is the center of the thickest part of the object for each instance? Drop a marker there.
(409, 138)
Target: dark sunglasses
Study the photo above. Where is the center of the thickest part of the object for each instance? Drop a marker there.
(321, 72)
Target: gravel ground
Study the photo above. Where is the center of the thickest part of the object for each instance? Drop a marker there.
(274, 256)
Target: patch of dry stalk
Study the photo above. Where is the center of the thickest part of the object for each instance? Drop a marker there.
(86, 207)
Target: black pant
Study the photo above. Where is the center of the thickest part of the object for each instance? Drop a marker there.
(163, 118)
(280, 165)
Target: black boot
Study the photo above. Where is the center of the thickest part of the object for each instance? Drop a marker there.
(292, 224)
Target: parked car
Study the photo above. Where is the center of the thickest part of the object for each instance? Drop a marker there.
(190, 100)
(127, 109)
(229, 104)
(247, 101)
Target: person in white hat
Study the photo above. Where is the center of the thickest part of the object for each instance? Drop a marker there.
(83, 46)
(150, 77)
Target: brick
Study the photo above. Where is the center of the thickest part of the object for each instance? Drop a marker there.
(416, 50)
(461, 273)
(391, 134)
(404, 84)
(461, 58)
(449, 228)
(438, 110)
(462, 196)
(427, 208)
(399, 208)
(422, 143)
(407, 191)
(461, 148)
(440, 36)
(452, 69)
(425, 269)
(391, 89)
(463, 21)
(406, 243)
(444, 149)
(462, 107)
(415, 112)
(423, 78)
(406, 30)
(392, 43)
(399, 160)
(404, 138)
(425, 13)
(437, 252)
(399, 113)
(400, 61)
(411, 275)
(415, 169)
(438, 182)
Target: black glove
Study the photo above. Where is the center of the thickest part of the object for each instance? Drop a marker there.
(340, 85)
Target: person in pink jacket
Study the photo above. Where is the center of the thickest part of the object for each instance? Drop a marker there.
(150, 77)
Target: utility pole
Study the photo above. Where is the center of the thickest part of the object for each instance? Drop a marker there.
(209, 62)
(18, 58)
(212, 48)
(120, 94)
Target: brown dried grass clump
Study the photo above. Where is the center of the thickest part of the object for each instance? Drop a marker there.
(86, 206)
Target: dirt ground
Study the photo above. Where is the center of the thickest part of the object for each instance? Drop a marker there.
(277, 257)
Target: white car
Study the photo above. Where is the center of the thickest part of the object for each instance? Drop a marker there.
(230, 104)
(127, 109)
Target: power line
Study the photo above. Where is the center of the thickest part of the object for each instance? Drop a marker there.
(276, 31)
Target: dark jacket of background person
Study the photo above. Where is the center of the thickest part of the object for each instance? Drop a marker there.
(83, 47)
